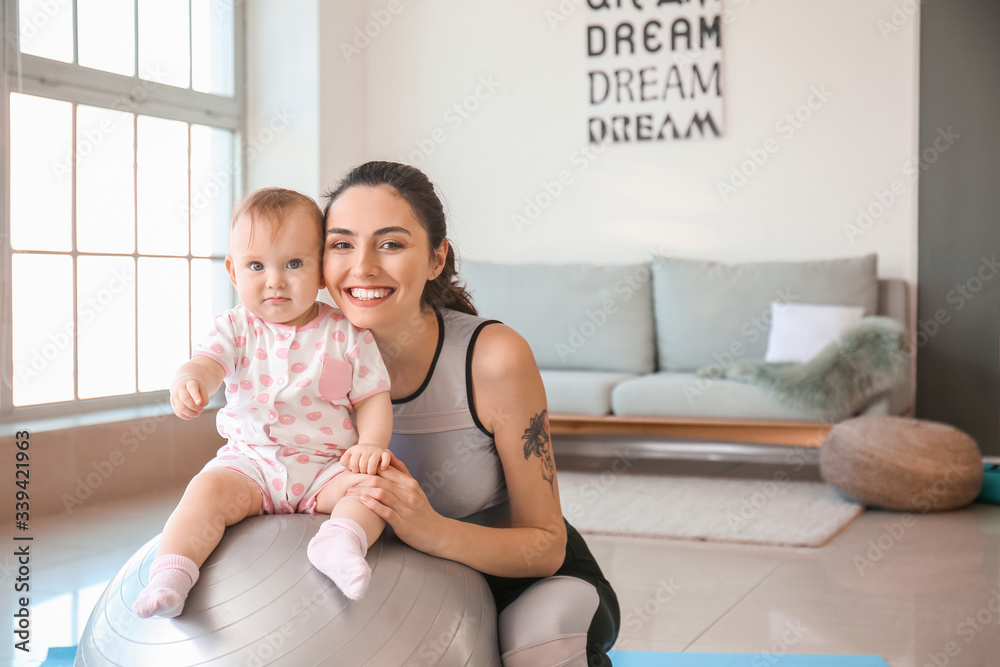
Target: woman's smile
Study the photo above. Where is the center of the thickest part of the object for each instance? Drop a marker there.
(367, 297)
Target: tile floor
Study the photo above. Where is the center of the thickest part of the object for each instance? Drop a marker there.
(913, 593)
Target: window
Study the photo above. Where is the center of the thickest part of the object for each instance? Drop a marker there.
(123, 119)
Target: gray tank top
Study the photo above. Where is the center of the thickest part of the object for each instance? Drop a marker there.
(436, 432)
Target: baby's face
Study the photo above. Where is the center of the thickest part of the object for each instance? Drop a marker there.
(277, 279)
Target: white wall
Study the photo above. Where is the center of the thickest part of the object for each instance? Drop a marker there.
(282, 81)
(433, 54)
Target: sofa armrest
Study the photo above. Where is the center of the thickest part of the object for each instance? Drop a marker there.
(894, 302)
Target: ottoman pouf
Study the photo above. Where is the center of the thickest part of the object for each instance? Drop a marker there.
(902, 464)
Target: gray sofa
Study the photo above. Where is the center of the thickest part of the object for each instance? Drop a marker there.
(627, 340)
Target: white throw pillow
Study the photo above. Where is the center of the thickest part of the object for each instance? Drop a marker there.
(800, 330)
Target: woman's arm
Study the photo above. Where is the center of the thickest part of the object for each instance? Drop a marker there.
(510, 402)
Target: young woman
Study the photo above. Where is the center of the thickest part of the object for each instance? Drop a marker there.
(473, 477)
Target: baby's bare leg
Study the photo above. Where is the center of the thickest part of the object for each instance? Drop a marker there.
(333, 500)
(338, 550)
(214, 499)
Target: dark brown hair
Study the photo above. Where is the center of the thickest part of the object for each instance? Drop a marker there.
(445, 291)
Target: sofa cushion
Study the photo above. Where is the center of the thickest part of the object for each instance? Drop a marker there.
(712, 313)
(581, 392)
(800, 330)
(687, 395)
(574, 316)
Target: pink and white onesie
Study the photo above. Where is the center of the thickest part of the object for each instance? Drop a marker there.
(289, 394)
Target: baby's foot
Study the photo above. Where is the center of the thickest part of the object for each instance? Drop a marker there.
(338, 550)
(170, 580)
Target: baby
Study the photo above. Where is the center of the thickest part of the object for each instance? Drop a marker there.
(295, 371)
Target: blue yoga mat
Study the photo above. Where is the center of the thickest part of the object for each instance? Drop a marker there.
(60, 657)
(653, 658)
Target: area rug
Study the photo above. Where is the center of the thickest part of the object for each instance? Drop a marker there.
(774, 511)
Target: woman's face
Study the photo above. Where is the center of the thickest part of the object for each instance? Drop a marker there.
(377, 257)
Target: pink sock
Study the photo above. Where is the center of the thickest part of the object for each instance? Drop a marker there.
(170, 580)
(338, 550)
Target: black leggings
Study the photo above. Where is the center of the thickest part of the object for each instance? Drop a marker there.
(579, 563)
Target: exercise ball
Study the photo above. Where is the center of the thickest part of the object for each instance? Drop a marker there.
(259, 601)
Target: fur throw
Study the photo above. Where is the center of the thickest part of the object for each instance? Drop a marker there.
(867, 360)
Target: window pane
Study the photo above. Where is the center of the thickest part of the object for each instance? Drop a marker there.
(212, 294)
(106, 316)
(212, 46)
(40, 183)
(106, 35)
(43, 328)
(105, 191)
(46, 29)
(164, 315)
(52, 616)
(165, 42)
(211, 190)
(163, 186)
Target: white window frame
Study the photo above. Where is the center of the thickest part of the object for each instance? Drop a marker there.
(73, 83)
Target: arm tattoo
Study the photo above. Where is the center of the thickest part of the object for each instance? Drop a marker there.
(536, 438)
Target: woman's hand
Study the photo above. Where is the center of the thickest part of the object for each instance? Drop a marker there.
(396, 497)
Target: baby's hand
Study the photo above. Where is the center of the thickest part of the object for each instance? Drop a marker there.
(366, 458)
(187, 398)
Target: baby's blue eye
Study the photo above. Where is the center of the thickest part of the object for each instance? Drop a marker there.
(256, 266)
(295, 264)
